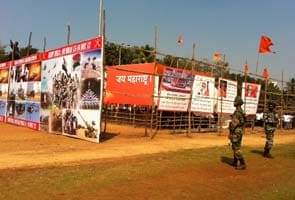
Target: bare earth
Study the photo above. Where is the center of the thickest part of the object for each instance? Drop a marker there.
(22, 147)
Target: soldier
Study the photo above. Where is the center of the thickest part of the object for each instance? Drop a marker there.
(236, 133)
(270, 124)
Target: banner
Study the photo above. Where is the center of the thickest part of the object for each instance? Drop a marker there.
(71, 86)
(131, 84)
(203, 92)
(175, 90)
(24, 93)
(227, 91)
(250, 96)
(4, 77)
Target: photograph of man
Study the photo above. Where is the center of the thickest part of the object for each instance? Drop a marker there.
(204, 88)
(251, 90)
(222, 88)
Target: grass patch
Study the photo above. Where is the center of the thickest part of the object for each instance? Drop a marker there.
(185, 174)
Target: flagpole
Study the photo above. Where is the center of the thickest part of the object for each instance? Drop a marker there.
(282, 99)
(29, 44)
(245, 80)
(100, 17)
(152, 135)
(257, 63)
(265, 94)
(190, 98)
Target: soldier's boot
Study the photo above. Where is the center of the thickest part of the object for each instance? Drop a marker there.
(266, 153)
(242, 165)
(235, 162)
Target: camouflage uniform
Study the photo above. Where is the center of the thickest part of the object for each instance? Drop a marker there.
(270, 124)
(236, 133)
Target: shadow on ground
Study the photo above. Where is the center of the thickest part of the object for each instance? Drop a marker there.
(226, 160)
(107, 136)
(259, 152)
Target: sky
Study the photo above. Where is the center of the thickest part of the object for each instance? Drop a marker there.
(230, 27)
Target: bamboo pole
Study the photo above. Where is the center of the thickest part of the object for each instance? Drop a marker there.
(44, 44)
(221, 100)
(155, 69)
(257, 63)
(190, 99)
(100, 17)
(282, 100)
(29, 44)
(68, 34)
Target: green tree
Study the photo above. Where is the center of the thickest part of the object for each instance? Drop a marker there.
(116, 54)
(3, 55)
(25, 51)
(111, 54)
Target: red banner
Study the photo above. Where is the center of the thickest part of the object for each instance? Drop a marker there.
(2, 118)
(24, 123)
(130, 84)
(86, 45)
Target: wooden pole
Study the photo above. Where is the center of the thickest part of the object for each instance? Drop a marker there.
(257, 63)
(103, 91)
(221, 101)
(282, 100)
(100, 17)
(29, 44)
(265, 94)
(68, 34)
(154, 78)
(190, 99)
(44, 44)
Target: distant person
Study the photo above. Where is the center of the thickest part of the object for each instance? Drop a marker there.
(236, 129)
(270, 124)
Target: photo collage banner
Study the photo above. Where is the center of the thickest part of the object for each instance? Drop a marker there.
(4, 77)
(57, 91)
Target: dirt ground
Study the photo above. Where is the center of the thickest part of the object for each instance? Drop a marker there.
(21, 147)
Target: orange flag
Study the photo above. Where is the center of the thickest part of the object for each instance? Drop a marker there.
(246, 69)
(180, 39)
(265, 73)
(265, 43)
(217, 56)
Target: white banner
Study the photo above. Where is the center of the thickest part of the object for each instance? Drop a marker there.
(203, 94)
(250, 96)
(175, 90)
(227, 91)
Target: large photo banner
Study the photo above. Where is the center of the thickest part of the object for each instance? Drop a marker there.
(250, 95)
(4, 77)
(130, 84)
(203, 92)
(71, 86)
(227, 91)
(24, 93)
(175, 90)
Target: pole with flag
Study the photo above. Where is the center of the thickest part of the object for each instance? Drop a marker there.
(264, 47)
(246, 71)
(266, 77)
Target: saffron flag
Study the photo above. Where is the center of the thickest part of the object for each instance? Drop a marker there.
(265, 43)
(180, 39)
(265, 73)
(217, 56)
(246, 68)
